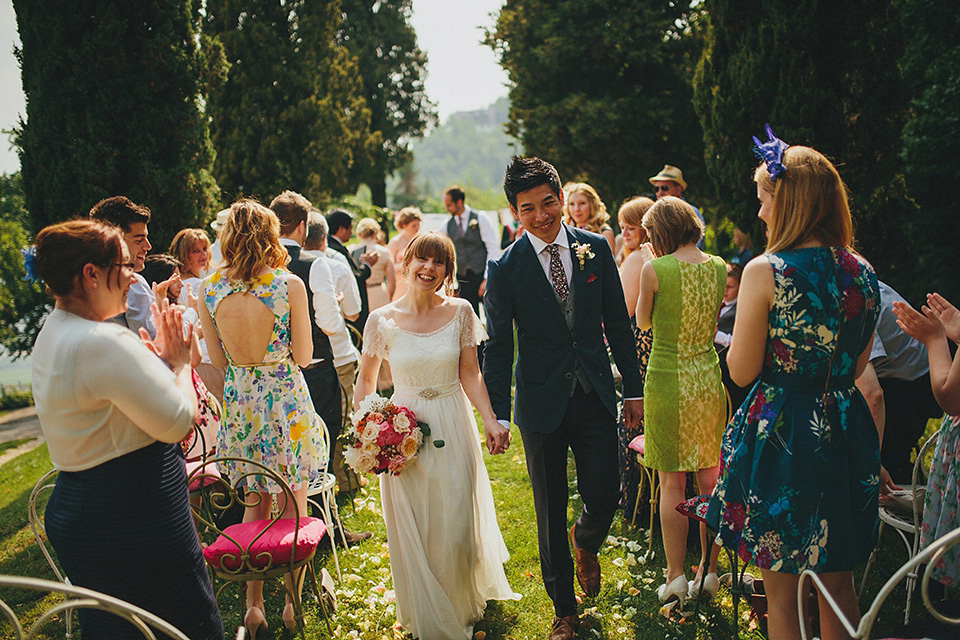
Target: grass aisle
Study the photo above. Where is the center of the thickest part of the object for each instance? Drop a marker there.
(626, 608)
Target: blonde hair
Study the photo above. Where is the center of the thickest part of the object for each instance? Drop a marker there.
(433, 245)
(251, 241)
(598, 211)
(183, 242)
(407, 215)
(809, 202)
(631, 213)
(366, 228)
(671, 223)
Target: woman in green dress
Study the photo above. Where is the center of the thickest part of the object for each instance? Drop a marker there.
(684, 411)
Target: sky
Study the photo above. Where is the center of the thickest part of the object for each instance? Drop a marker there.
(462, 73)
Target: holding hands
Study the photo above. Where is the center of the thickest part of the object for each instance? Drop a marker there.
(497, 436)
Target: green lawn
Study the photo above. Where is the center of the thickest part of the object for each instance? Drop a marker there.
(627, 606)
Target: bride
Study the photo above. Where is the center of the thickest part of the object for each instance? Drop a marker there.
(446, 551)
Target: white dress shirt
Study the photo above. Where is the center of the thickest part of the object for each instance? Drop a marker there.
(540, 247)
(326, 310)
(343, 350)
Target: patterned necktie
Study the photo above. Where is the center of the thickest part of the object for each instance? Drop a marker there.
(556, 272)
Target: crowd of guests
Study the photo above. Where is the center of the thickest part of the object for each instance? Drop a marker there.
(793, 385)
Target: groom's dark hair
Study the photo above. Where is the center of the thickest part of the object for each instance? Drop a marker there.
(523, 174)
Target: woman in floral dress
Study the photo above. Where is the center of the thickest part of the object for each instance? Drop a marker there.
(941, 509)
(801, 460)
(258, 312)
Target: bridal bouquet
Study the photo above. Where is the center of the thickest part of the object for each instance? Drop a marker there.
(383, 437)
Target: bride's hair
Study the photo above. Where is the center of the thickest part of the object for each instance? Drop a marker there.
(433, 245)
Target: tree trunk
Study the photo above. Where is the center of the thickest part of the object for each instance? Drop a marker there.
(378, 191)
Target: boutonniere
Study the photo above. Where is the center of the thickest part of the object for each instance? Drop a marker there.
(584, 253)
(473, 224)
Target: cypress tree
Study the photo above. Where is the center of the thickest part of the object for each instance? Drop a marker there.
(113, 93)
(392, 68)
(291, 113)
(824, 74)
(931, 162)
(601, 89)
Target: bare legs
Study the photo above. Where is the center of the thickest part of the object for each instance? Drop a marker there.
(260, 510)
(783, 618)
(674, 525)
(707, 480)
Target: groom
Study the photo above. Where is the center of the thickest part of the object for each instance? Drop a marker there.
(559, 286)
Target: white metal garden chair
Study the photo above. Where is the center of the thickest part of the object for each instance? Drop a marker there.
(928, 556)
(80, 598)
(907, 527)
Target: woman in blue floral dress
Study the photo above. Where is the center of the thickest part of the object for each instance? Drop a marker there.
(801, 458)
(941, 509)
(258, 311)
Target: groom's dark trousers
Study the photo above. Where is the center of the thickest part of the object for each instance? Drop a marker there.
(565, 397)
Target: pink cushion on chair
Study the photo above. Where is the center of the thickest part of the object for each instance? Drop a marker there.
(277, 541)
(209, 476)
(637, 444)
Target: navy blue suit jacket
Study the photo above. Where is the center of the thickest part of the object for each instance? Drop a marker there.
(519, 293)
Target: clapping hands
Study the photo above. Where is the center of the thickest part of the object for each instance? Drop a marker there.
(939, 318)
(173, 342)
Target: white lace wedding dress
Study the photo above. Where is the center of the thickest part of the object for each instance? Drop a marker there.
(446, 550)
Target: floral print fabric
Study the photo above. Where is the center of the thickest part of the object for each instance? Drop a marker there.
(267, 412)
(941, 509)
(629, 466)
(799, 479)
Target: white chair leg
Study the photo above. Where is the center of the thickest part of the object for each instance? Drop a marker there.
(327, 516)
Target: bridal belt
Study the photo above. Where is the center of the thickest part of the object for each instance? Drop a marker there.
(429, 393)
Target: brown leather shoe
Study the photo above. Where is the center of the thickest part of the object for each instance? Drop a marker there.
(564, 628)
(353, 537)
(588, 567)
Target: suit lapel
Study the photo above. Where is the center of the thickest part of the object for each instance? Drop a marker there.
(579, 279)
(531, 271)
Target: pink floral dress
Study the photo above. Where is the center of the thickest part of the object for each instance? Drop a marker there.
(941, 509)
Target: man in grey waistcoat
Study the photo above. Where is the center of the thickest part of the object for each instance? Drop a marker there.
(476, 243)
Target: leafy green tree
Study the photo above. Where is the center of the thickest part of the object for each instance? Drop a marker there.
(291, 113)
(113, 93)
(931, 162)
(601, 89)
(824, 74)
(23, 304)
(392, 68)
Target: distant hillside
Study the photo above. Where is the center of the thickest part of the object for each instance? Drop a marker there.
(469, 149)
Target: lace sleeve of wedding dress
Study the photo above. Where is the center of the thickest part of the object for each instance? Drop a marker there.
(374, 338)
(472, 332)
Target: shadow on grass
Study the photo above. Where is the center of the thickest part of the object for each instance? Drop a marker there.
(498, 622)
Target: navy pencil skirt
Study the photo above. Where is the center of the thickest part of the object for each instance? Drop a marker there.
(124, 528)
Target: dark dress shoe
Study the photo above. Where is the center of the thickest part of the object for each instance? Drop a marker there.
(564, 628)
(588, 567)
(353, 537)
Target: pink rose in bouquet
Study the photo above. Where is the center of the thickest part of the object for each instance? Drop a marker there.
(384, 438)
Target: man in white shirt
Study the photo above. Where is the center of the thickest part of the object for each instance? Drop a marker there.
(132, 220)
(345, 355)
(476, 243)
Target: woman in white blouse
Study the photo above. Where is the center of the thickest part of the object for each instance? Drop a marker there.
(112, 408)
